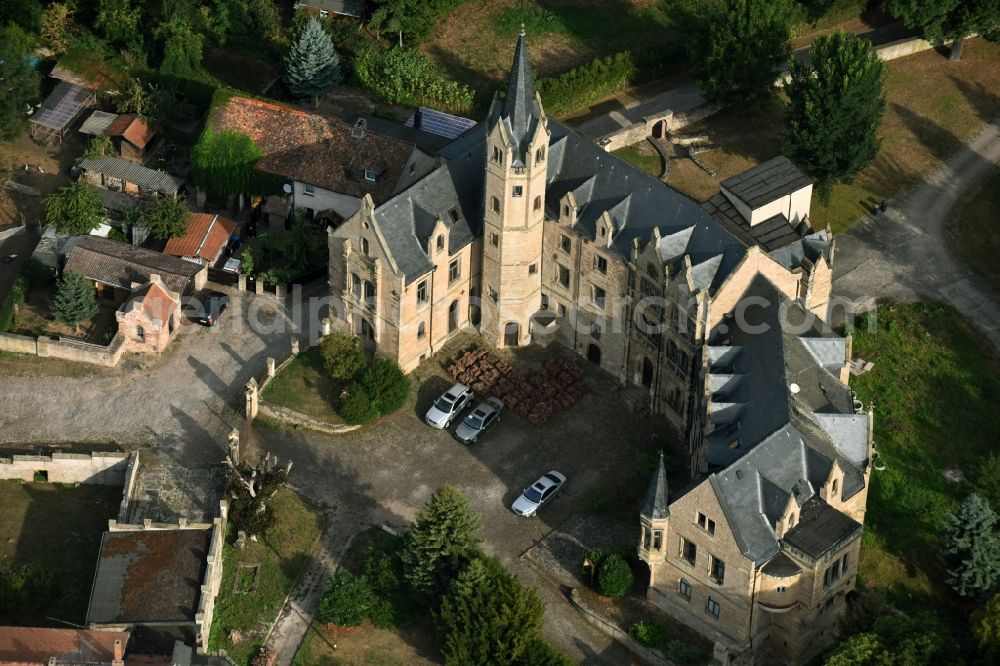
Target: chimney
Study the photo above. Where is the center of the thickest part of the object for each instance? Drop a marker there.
(119, 653)
(155, 277)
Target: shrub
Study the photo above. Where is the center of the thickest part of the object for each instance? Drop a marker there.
(26, 589)
(342, 355)
(346, 602)
(385, 384)
(614, 576)
(74, 209)
(357, 409)
(588, 83)
(382, 613)
(650, 634)
(400, 76)
(539, 653)
(679, 652)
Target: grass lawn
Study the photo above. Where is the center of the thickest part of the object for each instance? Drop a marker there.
(932, 107)
(643, 156)
(412, 643)
(306, 387)
(280, 556)
(972, 230)
(60, 526)
(934, 388)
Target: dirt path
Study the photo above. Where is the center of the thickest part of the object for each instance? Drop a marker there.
(903, 254)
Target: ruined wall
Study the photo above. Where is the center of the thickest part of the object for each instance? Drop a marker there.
(106, 468)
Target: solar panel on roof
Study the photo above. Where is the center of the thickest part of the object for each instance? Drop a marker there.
(440, 123)
(62, 105)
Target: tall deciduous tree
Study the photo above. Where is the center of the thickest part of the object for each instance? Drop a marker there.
(119, 21)
(946, 20)
(74, 301)
(986, 627)
(164, 217)
(54, 25)
(312, 66)
(973, 542)
(182, 49)
(487, 617)
(834, 110)
(736, 47)
(19, 87)
(74, 209)
(441, 544)
(223, 163)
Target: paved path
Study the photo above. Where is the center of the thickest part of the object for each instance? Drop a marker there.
(902, 255)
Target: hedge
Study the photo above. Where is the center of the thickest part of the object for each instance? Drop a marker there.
(401, 76)
(588, 83)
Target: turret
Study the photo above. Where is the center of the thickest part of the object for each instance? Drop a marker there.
(654, 518)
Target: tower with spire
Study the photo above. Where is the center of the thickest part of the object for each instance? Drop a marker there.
(516, 157)
(654, 519)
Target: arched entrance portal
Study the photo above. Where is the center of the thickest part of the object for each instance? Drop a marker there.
(511, 334)
(594, 354)
(647, 373)
(453, 316)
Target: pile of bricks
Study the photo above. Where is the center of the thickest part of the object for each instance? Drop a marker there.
(535, 398)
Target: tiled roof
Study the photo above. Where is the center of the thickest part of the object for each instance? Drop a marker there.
(147, 179)
(149, 576)
(309, 148)
(766, 182)
(34, 645)
(205, 237)
(155, 300)
(120, 264)
(133, 129)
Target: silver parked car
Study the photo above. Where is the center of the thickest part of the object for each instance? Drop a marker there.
(479, 420)
(448, 406)
(534, 496)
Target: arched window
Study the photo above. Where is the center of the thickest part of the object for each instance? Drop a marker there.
(537, 205)
(369, 291)
(440, 242)
(364, 247)
(356, 285)
(833, 486)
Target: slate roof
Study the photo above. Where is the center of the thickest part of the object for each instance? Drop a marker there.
(766, 182)
(321, 151)
(771, 234)
(519, 110)
(781, 418)
(821, 529)
(36, 645)
(205, 237)
(781, 566)
(133, 129)
(149, 576)
(121, 265)
(655, 506)
(147, 179)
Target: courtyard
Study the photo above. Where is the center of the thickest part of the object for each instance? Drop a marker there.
(58, 528)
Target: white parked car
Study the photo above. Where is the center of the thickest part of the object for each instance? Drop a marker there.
(452, 403)
(540, 492)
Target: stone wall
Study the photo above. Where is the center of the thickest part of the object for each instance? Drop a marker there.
(106, 468)
(66, 349)
(131, 475)
(213, 578)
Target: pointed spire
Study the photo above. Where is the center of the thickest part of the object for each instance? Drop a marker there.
(520, 109)
(656, 504)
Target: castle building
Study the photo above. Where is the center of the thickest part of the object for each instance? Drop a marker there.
(530, 234)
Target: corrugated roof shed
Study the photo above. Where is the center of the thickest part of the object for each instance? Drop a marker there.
(97, 123)
(121, 265)
(147, 179)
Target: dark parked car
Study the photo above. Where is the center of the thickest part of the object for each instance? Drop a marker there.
(479, 420)
(215, 304)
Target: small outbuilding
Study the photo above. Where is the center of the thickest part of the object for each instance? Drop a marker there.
(120, 175)
(206, 238)
(150, 318)
(131, 136)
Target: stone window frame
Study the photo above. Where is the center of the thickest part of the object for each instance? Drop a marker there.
(600, 296)
(532, 269)
(540, 155)
(454, 270)
(717, 569)
(600, 264)
(689, 551)
(713, 608)
(421, 330)
(562, 271)
(537, 205)
(565, 243)
(495, 239)
(684, 589)
(497, 155)
(495, 204)
(422, 292)
(439, 242)
(517, 191)
(706, 523)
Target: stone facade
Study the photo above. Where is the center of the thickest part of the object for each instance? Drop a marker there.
(150, 318)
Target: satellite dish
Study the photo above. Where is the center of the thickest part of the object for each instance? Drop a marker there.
(287, 188)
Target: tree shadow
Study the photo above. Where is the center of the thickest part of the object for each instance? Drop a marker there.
(985, 102)
(938, 140)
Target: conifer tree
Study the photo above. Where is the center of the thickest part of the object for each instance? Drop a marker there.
(440, 545)
(312, 66)
(74, 301)
(973, 542)
(488, 617)
(834, 110)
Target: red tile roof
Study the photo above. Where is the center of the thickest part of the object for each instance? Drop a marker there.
(155, 301)
(33, 645)
(319, 150)
(133, 129)
(206, 235)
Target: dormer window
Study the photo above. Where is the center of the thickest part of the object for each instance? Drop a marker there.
(833, 487)
(370, 175)
(540, 155)
(453, 214)
(440, 242)
(497, 155)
